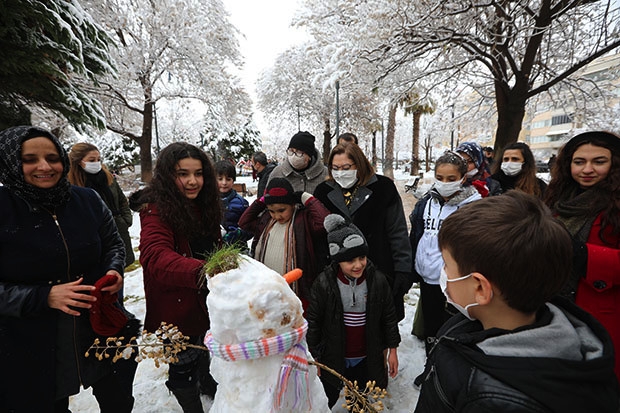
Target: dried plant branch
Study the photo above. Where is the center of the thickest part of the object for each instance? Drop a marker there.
(167, 341)
(356, 401)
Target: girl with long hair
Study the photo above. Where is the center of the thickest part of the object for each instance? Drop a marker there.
(518, 171)
(180, 215)
(584, 193)
(87, 170)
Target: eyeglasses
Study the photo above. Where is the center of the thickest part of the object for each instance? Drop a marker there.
(293, 152)
(344, 167)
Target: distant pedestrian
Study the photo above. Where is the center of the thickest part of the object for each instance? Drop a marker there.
(347, 137)
(263, 169)
(488, 157)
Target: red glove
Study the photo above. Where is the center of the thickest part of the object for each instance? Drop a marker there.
(106, 318)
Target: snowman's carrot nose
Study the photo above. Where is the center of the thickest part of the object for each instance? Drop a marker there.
(293, 275)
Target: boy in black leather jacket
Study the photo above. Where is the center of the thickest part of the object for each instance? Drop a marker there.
(513, 348)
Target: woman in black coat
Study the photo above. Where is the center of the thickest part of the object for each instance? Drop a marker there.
(56, 242)
(371, 202)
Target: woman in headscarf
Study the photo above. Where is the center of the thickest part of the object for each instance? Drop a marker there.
(477, 174)
(59, 251)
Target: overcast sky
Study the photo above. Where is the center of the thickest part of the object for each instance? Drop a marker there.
(266, 27)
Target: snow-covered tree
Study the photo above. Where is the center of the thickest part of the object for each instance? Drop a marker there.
(507, 51)
(511, 50)
(302, 84)
(49, 50)
(237, 144)
(169, 50)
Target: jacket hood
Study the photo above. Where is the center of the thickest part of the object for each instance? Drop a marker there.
(561, 364)
(138, 199)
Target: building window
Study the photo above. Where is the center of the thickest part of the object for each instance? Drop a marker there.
(561, 119)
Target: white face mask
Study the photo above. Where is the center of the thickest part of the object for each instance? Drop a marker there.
(512, 168)
(346, 179)
(92, 167)
(472, 173)
(443, 283)
(297, 162)
(446, 189)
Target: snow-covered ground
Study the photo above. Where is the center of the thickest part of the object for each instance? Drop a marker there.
(152, 395)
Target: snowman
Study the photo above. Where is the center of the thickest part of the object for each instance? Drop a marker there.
(258, 345)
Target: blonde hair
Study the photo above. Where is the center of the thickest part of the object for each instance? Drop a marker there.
(76, 175)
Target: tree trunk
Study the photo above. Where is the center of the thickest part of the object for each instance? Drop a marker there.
(146, 159)
(427, 152)
(415, 144)
(510, 114)
(327, 140)
(374, 149)
(388, 163)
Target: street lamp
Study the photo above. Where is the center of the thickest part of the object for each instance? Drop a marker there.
(452, 131)
(337, 109)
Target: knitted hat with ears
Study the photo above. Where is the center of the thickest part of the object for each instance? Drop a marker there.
(346, 241)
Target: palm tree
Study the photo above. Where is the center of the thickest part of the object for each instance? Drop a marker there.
(416, 107)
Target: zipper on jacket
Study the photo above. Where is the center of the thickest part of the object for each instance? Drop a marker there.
(440, 393)
(64, 241)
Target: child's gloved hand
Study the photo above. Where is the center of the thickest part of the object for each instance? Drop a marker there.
(305, 197)
(232, 236)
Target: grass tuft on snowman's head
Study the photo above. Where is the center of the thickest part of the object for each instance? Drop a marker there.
(221, 260)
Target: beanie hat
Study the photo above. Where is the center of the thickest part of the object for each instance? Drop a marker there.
(304, 141)
(106, 318)
(280, 191)
(346, 241)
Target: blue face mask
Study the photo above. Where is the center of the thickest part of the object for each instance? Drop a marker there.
(443, 283)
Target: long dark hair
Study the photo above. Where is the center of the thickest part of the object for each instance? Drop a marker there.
(526, 180)
(175, 209)
(605, 195)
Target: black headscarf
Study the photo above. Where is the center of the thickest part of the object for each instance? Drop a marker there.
(12, 173)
